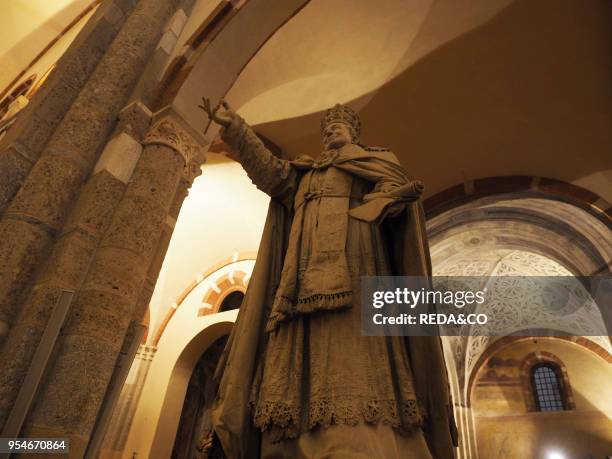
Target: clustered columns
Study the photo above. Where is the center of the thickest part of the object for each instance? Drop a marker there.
(92, 217)
(21, 147)
(39, 209)
(74, 249)
(118, 283)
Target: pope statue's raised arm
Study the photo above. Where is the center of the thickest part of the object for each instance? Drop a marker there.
(275, 177)
(297, 378)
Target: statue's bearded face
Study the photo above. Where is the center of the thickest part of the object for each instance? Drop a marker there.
(336, 135)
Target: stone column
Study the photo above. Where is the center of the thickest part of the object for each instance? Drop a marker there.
(23, 143)
(39, 210)
(69, 401)
(75, 248)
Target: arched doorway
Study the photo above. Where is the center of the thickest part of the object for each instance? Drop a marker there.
(233, 300)
(195, 422)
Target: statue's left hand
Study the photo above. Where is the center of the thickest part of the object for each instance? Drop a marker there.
(223, 117)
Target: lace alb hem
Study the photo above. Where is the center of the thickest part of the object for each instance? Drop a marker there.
(283, 420)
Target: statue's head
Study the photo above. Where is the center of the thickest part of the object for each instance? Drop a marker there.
(340, 126)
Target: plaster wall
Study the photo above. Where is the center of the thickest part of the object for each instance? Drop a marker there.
(223, 215)
(159, 408)
(341, 50)
(505, 429)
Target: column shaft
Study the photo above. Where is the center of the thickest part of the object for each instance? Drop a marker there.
(39, 209)
(74, 250)
(69, 401)
(120, 424)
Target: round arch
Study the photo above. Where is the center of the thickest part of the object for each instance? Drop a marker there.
(504, 216)
(177, 386)
(550, 228)
(520, 186)
(157, 416)
(500, 344)
(503, 401)
(230, 281)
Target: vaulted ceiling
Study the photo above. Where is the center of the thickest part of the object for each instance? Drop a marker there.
(31, 27)
(459, 89)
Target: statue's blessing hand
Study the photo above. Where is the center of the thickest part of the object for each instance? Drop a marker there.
(222, 114)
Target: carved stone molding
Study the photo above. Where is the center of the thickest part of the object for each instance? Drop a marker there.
(167, 132)
(171, 130)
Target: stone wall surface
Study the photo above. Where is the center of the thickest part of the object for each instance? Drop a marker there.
(507, 427)
(70, 257)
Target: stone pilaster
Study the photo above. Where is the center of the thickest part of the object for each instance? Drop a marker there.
(38, 211)
(75, 248)
(68, 403)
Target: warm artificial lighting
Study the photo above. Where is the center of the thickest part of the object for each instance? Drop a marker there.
(555, 455)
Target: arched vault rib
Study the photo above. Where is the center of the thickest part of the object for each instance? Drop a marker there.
(473, 239)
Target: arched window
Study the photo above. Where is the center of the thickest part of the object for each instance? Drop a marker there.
(548, 388)
(546, 384)
(232, 301)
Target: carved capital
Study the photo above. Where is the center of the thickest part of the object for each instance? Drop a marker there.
(171, 130)
(193, 169)
(169, 133)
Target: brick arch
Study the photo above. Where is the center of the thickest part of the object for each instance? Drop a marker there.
(526, 378)
(242, 256)
(530, 220)
(226, 284)
(524, 186)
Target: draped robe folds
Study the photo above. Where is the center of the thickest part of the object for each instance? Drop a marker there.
(295, 361)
